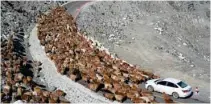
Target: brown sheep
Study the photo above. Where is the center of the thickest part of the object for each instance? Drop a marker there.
(60, 92)
(110, 96)
(138, 100)
(119, 96)
(94, 86)
(167, 98)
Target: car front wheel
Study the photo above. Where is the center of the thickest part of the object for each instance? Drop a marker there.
(150, 88)
(175, 95)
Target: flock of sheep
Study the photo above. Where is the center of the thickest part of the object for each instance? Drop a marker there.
(76, 57)
(17, 79)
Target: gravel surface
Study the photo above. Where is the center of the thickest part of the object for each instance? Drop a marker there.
(168, 38)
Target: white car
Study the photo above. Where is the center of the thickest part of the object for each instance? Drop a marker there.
(171, 86)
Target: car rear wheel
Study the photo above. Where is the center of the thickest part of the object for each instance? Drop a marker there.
(150, 88)
(175, 95)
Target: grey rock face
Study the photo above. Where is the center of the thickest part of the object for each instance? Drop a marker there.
(21, 14)
(168, 37)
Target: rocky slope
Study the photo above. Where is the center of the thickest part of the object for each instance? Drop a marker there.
(20, 16)
(169, 38)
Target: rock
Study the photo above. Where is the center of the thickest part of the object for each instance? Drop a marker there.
(103, 35)
(184, 44)
(181, 56)
(117, 43)
(192, 65)
(159, 29)
(111, 35)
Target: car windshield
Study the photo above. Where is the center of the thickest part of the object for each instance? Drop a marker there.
(158, 80)
(182, 84)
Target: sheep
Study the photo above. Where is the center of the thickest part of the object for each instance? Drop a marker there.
(110, 96)
(119, 96)
(94, 86)
(167, 98)
(25, 97)
(107, 83)
(54, 97)
(37, 91)
(60, 92)
(50, 100)
(46, 93)
(19, 91)
(138, 100)
(85, 77)
(6, 89)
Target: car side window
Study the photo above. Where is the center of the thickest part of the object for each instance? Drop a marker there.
(171, 85)
(162, 83)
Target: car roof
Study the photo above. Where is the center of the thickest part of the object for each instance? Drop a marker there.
(173, 80)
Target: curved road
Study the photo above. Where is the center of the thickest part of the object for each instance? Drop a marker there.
(74, 8)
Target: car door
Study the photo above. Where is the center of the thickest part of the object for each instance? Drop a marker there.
(161, 85)
(170, 88)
